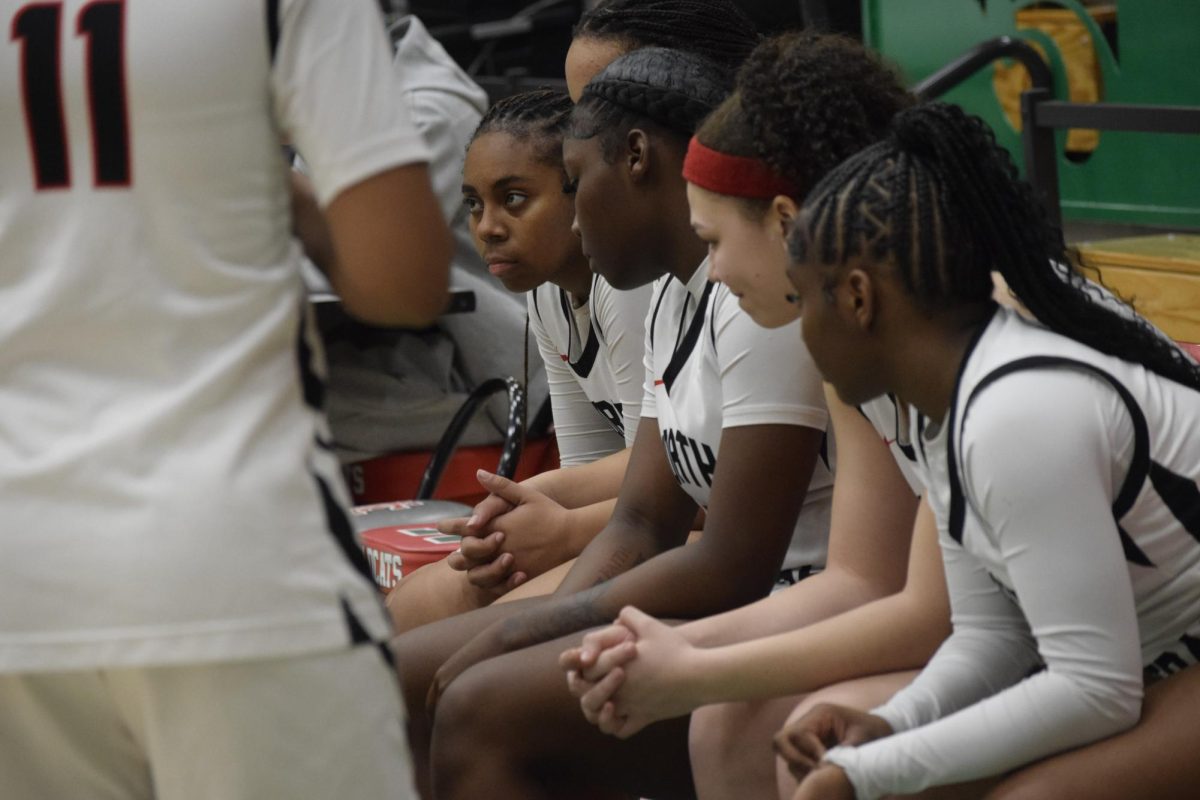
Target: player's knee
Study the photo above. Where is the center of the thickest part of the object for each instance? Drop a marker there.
(464, 728)
(714, 733)
(840, 694)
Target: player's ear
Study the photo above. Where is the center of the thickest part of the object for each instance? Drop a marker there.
(856, 293)
(638, 154)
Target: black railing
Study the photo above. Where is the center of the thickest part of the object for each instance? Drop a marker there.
(1042, 115)
(981, 56)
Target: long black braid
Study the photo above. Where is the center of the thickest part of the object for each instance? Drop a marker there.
(716, 29)
(941, 203)
(540, 114)
(653, 87)
(805, 102)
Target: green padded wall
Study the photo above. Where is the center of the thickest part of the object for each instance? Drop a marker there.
(1139, 178)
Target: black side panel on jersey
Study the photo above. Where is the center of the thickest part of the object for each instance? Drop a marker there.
(1139, 467)
(907, 449)
(343, 533)
(310, 381)
(536, 306)
(587, 359)
(685, 347)
(657, 306)
(273, 27)
(1180, 494)
(593, 316)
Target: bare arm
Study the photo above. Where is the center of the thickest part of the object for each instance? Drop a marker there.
(384, 246)
(759, 487)
(870, 532)
(897, 632)
(583, 485)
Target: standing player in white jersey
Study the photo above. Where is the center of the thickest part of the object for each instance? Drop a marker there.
(184, 613)
(589, 335)
(1061, 463)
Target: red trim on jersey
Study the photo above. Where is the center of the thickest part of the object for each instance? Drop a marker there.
(736, 176)
(659, 383)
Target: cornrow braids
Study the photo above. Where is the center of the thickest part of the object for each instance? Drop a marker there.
(715, 29)
(804, 103)
(940, 202)
(652, 87)
(540, 113)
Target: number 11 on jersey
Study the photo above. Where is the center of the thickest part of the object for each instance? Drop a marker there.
(37, 27)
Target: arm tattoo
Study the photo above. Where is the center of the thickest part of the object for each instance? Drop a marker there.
(623, 559)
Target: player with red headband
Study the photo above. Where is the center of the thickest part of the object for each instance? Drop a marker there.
(802, 103)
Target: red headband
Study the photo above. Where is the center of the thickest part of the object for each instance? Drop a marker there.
(736, 176)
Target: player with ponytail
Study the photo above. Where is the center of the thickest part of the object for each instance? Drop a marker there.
(1060, 458)
(802, 104)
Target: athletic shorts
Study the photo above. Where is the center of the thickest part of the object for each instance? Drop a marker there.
(326, 726)
(792, 576)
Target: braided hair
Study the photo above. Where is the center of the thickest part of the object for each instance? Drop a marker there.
(716, 29)
(940, 202)
(655, 88)
(541, 114)
(805, 102)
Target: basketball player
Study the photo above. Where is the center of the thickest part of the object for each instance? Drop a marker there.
(722, 391)
(589, 335)
(719, 31)
(184, 613)
(1060, 461)
(744, 190)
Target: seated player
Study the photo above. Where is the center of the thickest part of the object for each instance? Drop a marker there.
(747, 168)
(728, 422)
(1060, 461)
(590, 338)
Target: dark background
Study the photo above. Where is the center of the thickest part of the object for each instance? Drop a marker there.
(540, 52)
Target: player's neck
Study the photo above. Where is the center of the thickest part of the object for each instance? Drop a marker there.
(928, 362)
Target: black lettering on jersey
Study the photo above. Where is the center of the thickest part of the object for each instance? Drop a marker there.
(38, 27)
(614, 413)
(707, 463)
(273, 27)
(691, 462)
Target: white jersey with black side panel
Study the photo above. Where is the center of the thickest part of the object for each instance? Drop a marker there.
(166, 491)
(593, 359)
(1065, 487)
(889, 419)
(710, 367)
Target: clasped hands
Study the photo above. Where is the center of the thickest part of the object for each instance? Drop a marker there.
(638, 671)
(513, 534)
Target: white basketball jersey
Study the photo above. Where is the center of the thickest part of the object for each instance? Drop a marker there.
(593, 357)
(166, 489)
(1065, 485)
(1157, 500)
(709, 366)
